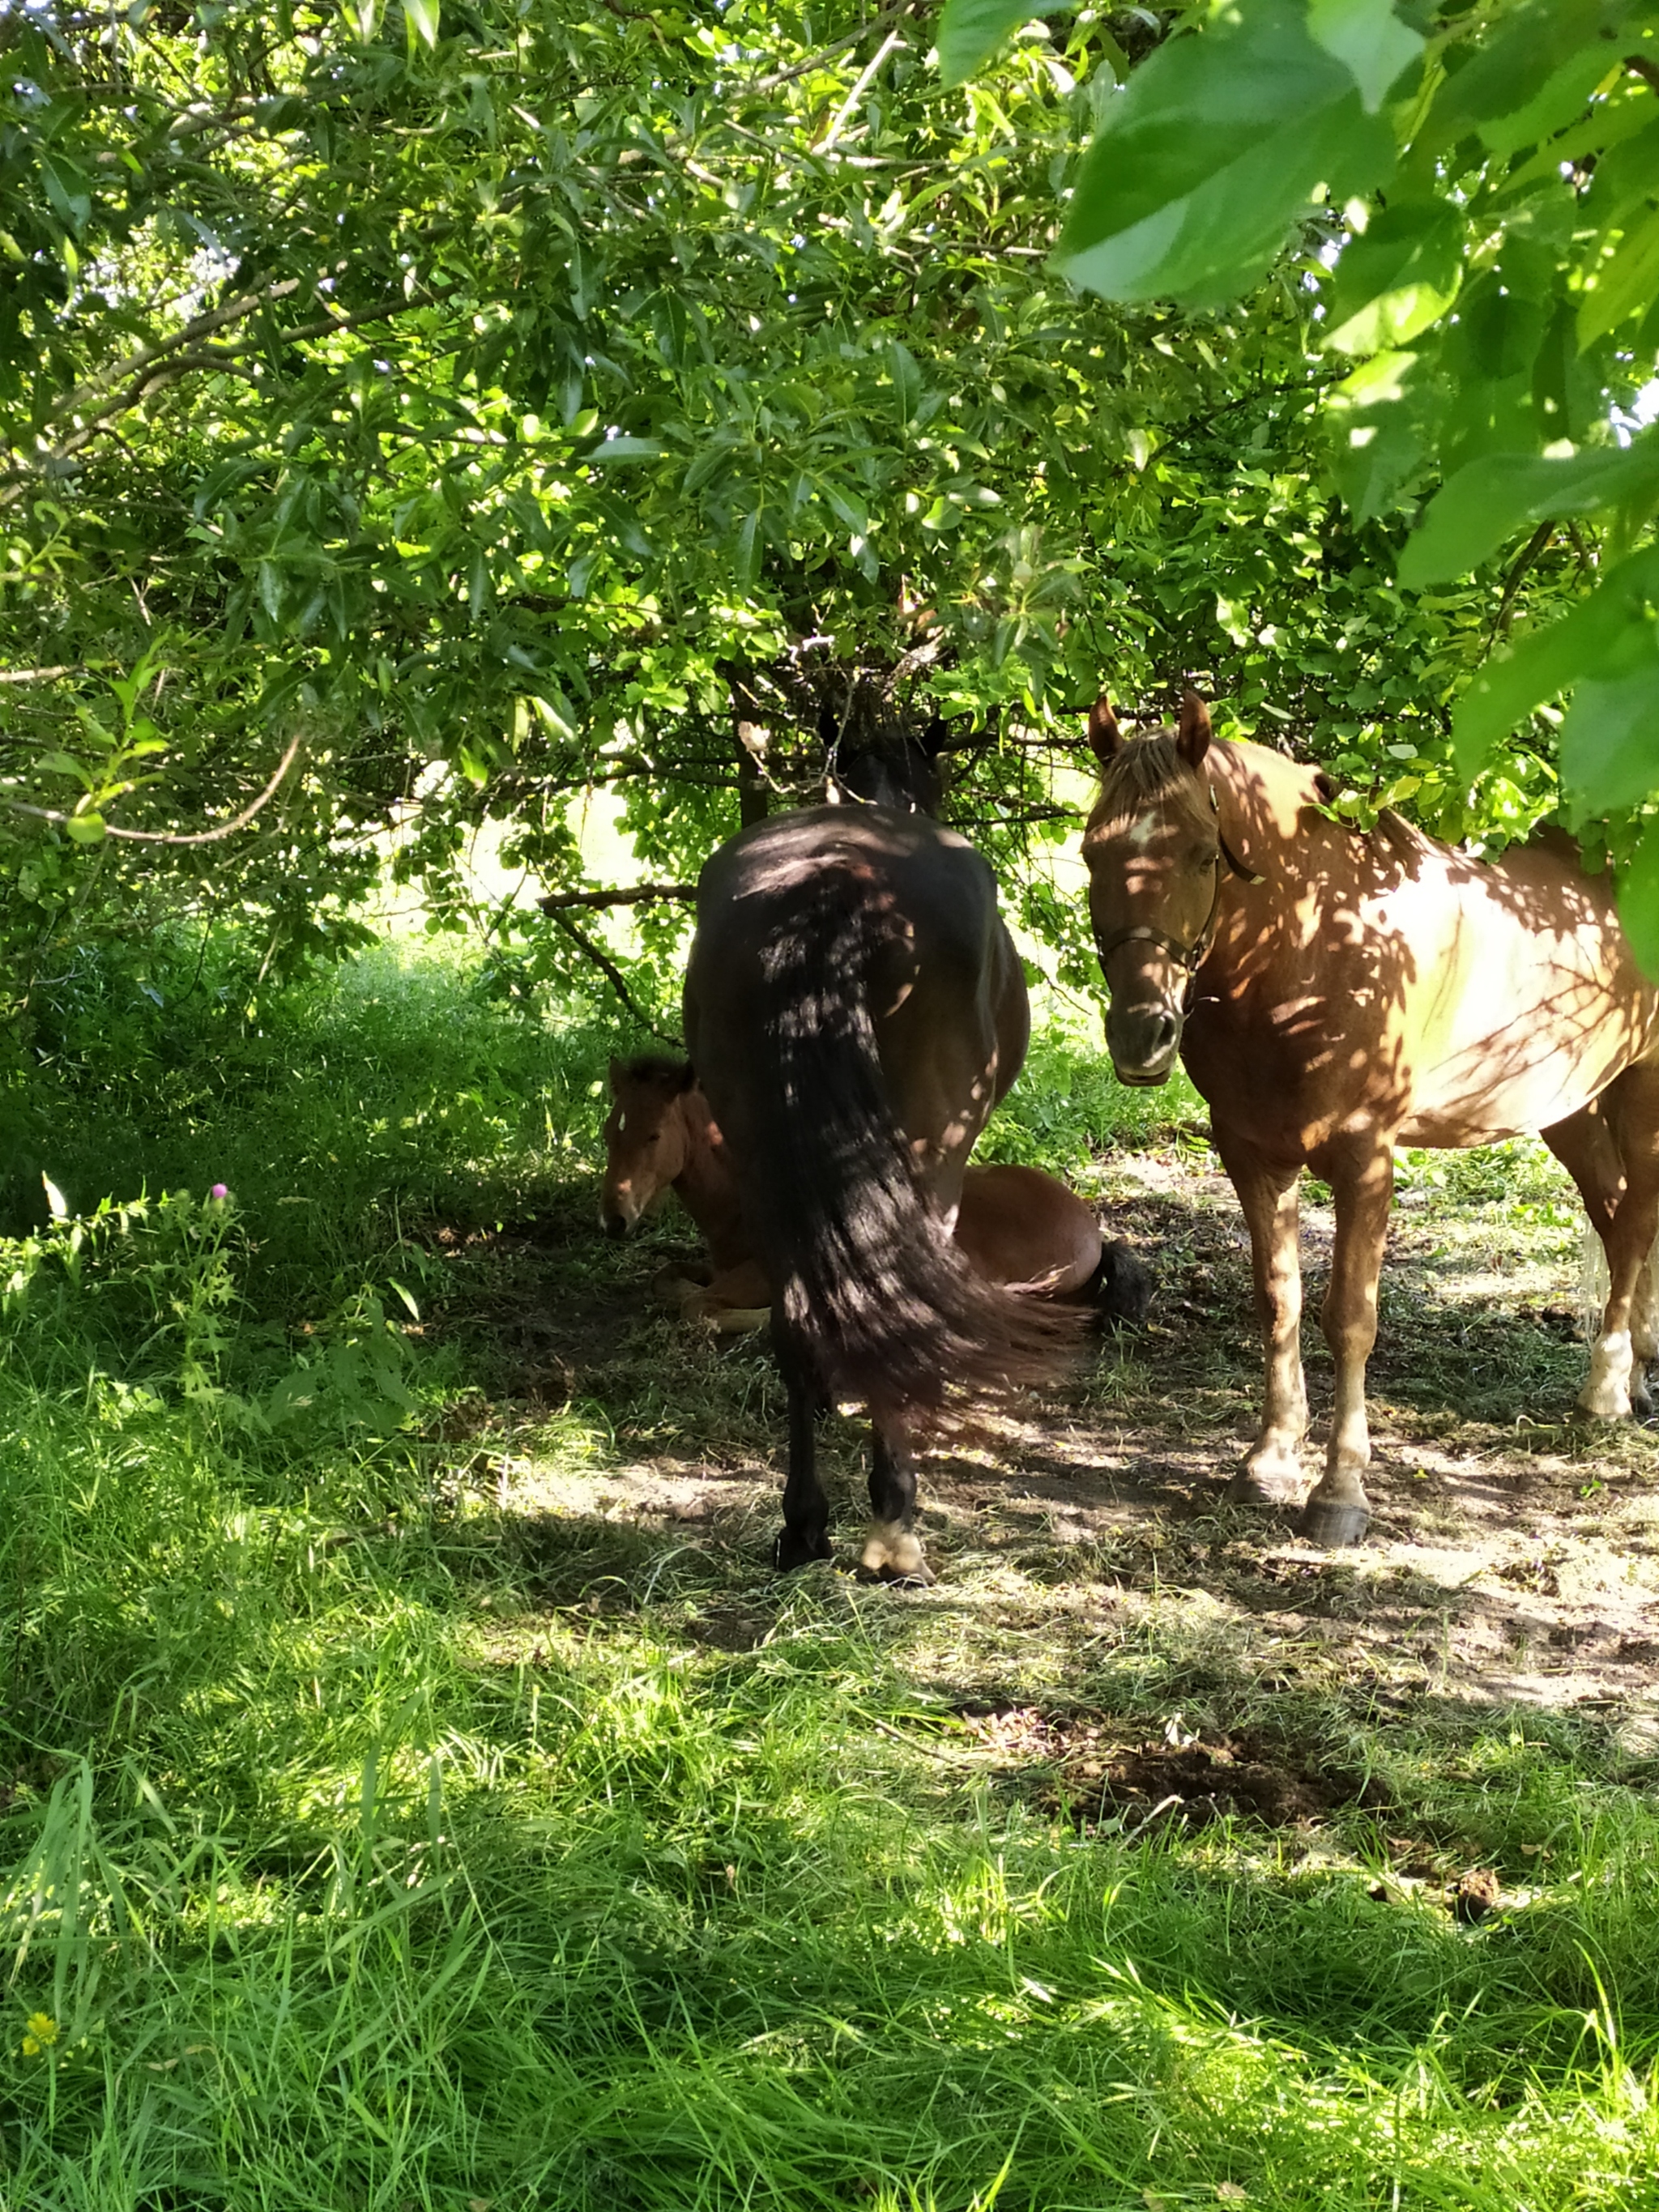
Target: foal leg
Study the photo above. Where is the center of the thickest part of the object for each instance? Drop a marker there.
(1611, 1150)
(892, 1550)
(1272, 1473)
(1360, 1171)
(805, 1535)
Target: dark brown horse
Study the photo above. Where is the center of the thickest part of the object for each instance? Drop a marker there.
(1335, 992)
(854, 1008)
(1022, 1229)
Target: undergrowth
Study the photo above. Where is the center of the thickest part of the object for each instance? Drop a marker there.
(367, 1840)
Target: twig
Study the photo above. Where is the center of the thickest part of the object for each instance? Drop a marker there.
(35, 675)
(825, 53)
(638, 894)
(849, 107)
(173, 837)
(1523, 560)
(613, 976)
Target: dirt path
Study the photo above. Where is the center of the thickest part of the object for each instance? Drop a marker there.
(1514, 1554)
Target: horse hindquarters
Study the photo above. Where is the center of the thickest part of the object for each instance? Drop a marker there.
(871, 1298)
(1611, 1150)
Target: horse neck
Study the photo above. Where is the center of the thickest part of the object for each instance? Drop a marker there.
(707, 1184)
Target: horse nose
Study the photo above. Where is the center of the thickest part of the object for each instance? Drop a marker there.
(614, 1226)
(1142, 1041)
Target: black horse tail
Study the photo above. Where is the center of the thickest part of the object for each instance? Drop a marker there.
(867, 1283)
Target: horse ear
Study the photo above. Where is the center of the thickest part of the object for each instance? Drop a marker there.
(688, 1077)
(615, 1070)
(1193, 730)
(1105, 739)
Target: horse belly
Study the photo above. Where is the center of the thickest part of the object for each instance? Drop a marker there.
(1516, 1028)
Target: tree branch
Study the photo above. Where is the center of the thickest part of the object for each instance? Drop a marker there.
(173, 837)
(1523, 560)
(639, 895)
(827, 53)
(613, 976)
(164, 364)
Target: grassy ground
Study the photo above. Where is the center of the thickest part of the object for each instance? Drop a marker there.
(415, 1791)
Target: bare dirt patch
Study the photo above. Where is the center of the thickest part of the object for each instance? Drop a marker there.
(1077, 1764)
(1514, 1552)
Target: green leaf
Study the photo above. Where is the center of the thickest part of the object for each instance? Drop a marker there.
(902, 368)
(1396, 279)
(85, 829)
(623, 449)
(1549, 662)
(1210, 154)
(422, 17)
(68, 188)
(1489, 501)
(1610, 738)
(1369, 39)
(55, 1200)
(1624, 285)
(1538, 67)
(1638, 900)
(971, 31)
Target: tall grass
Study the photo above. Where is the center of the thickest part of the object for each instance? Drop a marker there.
(364, 1844)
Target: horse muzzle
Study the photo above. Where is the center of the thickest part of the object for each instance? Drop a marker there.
(617, 1215)
(1143, 1042)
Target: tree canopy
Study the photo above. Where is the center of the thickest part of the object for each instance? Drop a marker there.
(493, 400)
(1489, 286)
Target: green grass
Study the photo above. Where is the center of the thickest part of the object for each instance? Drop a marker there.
(367, 1844)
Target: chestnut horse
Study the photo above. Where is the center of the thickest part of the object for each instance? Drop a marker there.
(1021, 1228)
(1335, 992)
(854, 1008)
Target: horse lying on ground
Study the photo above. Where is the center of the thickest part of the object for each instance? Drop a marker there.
(854, 1009)
(1335, 992)
(1020, 1228)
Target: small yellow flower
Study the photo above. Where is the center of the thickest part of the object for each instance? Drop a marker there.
(42, 2033)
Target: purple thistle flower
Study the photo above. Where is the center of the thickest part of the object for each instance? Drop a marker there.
(220, 1190)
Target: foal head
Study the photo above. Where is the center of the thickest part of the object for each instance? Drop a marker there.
(648, 1138)
(1156, 860)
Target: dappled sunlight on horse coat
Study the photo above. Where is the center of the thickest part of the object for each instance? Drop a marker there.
(1335, 992)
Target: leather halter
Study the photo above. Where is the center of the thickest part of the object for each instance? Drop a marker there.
(1187, 958)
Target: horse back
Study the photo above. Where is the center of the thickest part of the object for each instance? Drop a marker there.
(1390, 978)
(923, 956)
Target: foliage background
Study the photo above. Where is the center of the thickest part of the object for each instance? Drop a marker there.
(512, 401)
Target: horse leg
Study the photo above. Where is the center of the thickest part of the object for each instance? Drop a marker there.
(892, 1550)
(1611, 1150)
(1272, 1473)
(1361, 1176)
(805, 1535)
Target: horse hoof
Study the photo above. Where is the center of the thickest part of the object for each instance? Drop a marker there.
(1332, 1526)
(894, 1555)
(791, 1549)
(1265, 1485)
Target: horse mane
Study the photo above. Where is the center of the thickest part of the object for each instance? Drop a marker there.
(1147, 771)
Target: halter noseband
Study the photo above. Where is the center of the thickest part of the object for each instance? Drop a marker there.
(1187, 958)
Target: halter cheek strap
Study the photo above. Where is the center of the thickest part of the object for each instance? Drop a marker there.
(1187, 958)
